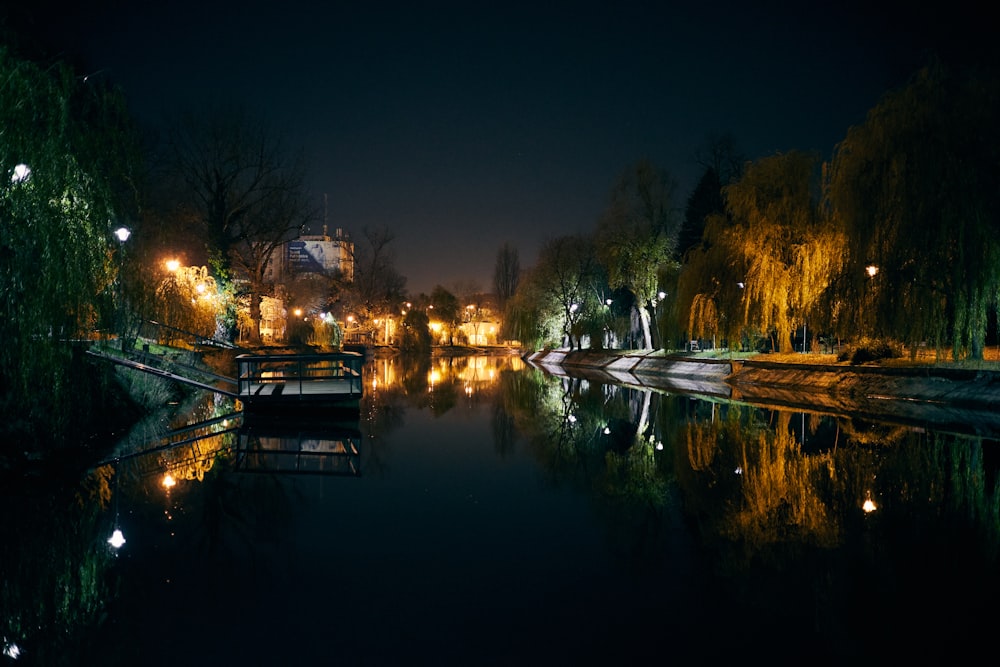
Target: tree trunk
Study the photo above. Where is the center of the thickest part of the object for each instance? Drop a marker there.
(254, 333)
(647, 337)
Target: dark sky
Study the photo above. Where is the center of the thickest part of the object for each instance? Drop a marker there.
(461, 126)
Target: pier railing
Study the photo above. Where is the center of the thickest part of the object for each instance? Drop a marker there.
(299, 374)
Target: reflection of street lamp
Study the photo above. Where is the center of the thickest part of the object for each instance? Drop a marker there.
(868, 506)
(117, 539)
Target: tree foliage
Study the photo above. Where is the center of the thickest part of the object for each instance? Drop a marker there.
(378, 288)
(67, 155)
(915, 188)
(789, 255)
(506, 274)
(567, 282)
(637, 235)
(447, 309)
(246, 192)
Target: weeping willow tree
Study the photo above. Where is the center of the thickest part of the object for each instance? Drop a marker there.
(789, 252)
(637, 237)
(63, 181)
(916, 188)
(710, 285)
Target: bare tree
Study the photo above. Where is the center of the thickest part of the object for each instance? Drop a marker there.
(506, 274)
(378, 287)
(247, 194)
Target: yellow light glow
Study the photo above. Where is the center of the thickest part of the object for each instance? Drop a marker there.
(871, 269)
(168, 481)
(173, 265)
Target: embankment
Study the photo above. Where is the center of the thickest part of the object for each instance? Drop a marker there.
(959, 399)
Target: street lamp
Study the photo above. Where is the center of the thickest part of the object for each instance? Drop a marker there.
(21, 173)
(122, 234)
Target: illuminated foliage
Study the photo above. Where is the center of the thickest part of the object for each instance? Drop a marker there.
(565, 284)
(637, 236)
(246, 193)
(789, 254)
(915, 188)
(447, 310)
(66, 152)
(189, 299)
(709, 297)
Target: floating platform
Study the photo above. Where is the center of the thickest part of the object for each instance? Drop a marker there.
(314, 384)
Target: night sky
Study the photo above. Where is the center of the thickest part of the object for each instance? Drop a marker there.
(461, 126)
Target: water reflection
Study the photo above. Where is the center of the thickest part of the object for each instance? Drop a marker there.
(688, 527)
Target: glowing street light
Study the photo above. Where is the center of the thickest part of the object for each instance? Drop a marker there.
(123, 233)
(21, 173)
(173, 265)
(871, 270)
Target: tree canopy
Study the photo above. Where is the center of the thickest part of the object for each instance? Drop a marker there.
(67, 158)
(916, 189)
(637, 235)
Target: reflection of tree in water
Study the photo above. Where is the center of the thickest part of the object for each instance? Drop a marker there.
(504, 429)
(53, 566)
(601, 440)
(757, 497)
(777, 499)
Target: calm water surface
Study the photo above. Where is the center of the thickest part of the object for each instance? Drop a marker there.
(484, 513)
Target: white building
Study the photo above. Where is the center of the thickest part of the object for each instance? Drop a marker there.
(320, 254)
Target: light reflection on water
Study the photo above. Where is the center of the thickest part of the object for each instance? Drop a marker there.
(482, 512)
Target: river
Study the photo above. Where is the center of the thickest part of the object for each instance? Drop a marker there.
(483, 512)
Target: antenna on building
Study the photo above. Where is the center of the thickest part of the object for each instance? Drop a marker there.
(326, 209)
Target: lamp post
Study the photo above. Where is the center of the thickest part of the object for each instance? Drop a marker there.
(122, 234)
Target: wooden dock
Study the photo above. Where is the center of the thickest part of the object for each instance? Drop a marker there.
(324, 383)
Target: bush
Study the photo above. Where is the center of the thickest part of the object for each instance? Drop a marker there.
(868, 351)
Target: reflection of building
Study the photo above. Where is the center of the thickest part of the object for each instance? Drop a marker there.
(319, 255)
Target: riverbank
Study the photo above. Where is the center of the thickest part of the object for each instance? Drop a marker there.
(966, 399)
